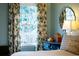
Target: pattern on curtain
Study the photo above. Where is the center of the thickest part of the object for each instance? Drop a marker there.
(42, 26)
(13, 27)
(14, 23)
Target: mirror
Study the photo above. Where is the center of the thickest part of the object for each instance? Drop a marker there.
(66, 14)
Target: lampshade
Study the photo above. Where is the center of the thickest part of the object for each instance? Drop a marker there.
(71, 25)
(75, 25)
(67, 25)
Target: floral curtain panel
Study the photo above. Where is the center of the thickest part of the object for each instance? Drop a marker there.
(14, 15)
(42, 26)
(13, 27)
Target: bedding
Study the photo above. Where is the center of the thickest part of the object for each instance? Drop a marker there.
(43, 53)
(69, 47)
(70, 43)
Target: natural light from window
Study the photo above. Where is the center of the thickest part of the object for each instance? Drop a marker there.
(28, 24)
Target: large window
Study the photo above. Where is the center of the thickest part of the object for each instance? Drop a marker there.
(28, 24)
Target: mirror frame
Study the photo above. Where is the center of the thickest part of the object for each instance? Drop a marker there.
(62, 16)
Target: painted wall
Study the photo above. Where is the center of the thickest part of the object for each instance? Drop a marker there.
(56, 11)
(49, 31)
(53, 13)
(3, 24)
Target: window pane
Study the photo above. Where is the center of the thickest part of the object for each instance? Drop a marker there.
(28, 24)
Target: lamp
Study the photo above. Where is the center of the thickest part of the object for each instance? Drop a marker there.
(75, 25)
(71, 26)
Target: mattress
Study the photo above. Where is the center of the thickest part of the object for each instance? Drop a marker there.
(43, 53)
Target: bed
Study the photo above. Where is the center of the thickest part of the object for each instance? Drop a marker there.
(44, 53)
(69, 47)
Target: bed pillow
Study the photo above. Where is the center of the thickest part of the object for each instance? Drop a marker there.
(70, 43)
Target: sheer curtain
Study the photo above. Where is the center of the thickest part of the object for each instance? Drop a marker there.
(28, 26)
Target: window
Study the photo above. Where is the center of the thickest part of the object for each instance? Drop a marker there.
(28, 24)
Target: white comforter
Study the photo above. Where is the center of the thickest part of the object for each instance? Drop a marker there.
(43, 53)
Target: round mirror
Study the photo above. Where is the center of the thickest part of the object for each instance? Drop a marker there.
(66, 14)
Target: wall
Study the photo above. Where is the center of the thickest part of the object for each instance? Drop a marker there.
(53, 13)
(49, 31)
(3, 24)
(56, 11)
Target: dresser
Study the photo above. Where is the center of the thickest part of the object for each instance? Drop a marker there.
(4, 50)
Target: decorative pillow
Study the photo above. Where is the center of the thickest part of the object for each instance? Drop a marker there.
(70, 43)
(58, 36)
(51, 39)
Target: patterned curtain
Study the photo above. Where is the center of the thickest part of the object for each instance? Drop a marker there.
(14, 37)
(13, 27)
(42, 26)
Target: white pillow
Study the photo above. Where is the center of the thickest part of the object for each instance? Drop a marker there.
(70, 43)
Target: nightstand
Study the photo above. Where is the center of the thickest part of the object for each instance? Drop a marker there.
(51, 45)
